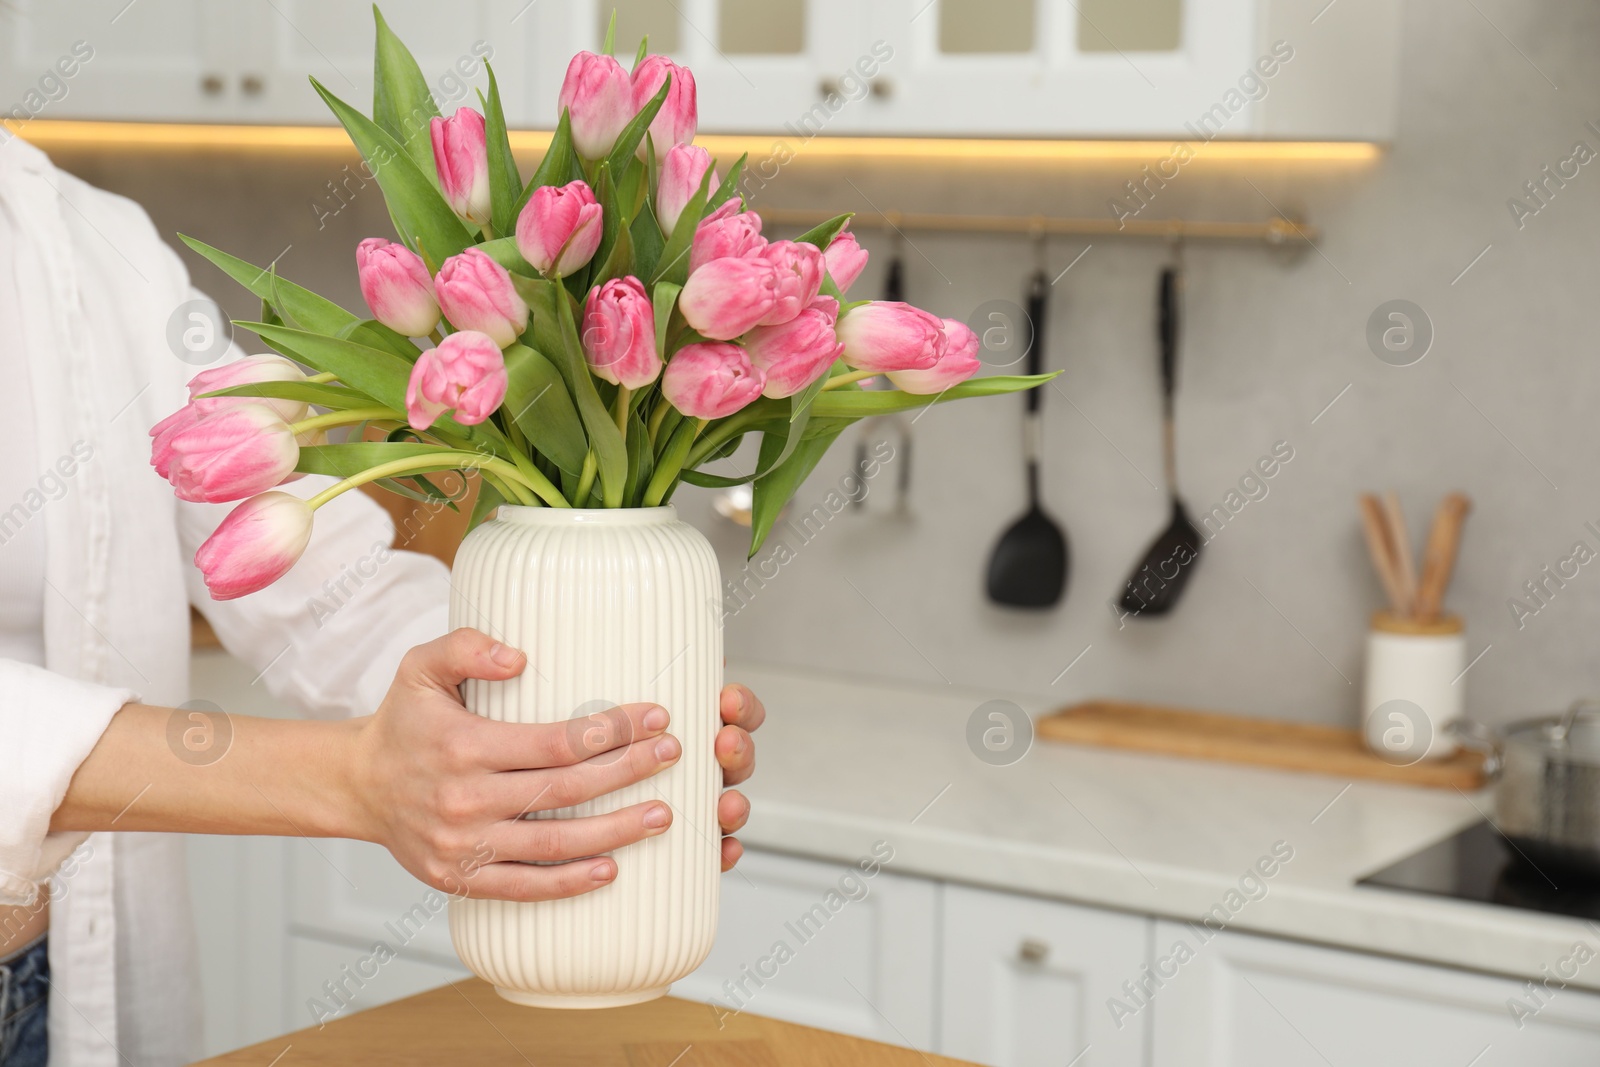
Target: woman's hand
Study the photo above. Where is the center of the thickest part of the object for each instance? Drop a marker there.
(742, 713)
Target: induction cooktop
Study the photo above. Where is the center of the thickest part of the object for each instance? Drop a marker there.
(1479, 864)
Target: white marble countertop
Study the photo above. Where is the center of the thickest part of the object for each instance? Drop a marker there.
(845, 762)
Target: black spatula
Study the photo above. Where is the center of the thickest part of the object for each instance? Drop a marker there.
(1029, 566)
(1159, 580)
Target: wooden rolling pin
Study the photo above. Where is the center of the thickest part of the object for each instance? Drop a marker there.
(1439, 556)
(1375, 524)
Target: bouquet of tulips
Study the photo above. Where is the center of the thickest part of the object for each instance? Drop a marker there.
(594, 336)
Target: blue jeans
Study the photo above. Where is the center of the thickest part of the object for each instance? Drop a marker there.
(24, 1000)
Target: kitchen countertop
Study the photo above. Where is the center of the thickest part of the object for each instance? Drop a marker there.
(466, 1022)
(846, 762)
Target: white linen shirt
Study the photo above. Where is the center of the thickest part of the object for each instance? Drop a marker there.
(97, 287)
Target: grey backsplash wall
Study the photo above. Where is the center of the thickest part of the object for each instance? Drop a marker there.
(1273, 621)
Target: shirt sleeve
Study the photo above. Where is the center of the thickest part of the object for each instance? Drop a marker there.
(328, 636)
(48, 725)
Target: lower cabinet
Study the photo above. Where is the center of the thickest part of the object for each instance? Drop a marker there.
(1239, 1000)
(841, 946)
(1026, 982)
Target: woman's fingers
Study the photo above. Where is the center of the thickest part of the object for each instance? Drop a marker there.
(558, 840)
(731, 851)
(511, 746)
(741, 707)
(523, 881)
(520, 792)
(446, 662)
(736, 752)
(733, 811)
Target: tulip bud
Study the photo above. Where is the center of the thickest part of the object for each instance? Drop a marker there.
(619, 333)
(165, 432)
(675, 122)
(247, 371)
(255, 545)
(228, 454)
(395, 283)
(799, 267)
(726, 233)
(959, 362)
(845, 259)
(726, 297)
(798, 352)
(559, 228)
(710, 380)
(682, 169)
(886, 335)
(461, 157)
(476, 293)
(598, 98)
(466, 372)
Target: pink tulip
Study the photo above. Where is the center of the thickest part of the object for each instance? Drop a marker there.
(845, 259)
(798, 352)
(675, 122)
(462, 160)
(465, 372)
(885, 335)
(255, 545)
(397, 288)
(165, 432)
(247, 371)
(682, 169)
(727, 297)
(599, 100)
(799, 267)
(726, 233)
(476, 293)
(709, 380)
(959, 362)
(619, 333)
(559, 228)
(228, 454)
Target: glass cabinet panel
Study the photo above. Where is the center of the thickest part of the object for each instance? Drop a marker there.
(980, 27)
(762, 27)
(1130, 25)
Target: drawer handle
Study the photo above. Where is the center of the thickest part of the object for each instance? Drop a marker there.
(1032, 950)
(211, 84)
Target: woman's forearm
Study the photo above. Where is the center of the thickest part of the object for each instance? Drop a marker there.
(257, 776)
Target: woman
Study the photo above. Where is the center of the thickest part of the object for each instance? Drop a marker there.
(95, 588)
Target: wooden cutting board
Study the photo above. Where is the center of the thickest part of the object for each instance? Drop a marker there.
(466, 1022)
(1212, 735)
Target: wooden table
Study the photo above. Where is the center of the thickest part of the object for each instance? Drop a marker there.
(467, 1023)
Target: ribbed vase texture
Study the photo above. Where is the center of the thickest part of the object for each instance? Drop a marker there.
(612, 607)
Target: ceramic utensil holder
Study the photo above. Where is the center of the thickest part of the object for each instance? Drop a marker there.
(1413, 687)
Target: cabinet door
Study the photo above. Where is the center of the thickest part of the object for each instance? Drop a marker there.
(1026, 981)
(1095, 68)
(332, 40)
(759, 65)
(116, 59)
(1244, 1001)
(825, 945)
(330, 980)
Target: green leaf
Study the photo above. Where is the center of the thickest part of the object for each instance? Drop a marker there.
(641, 461)
(729, 185)
(644, 49)
(647, 244)
(859, 404)
(538, 402)
(821, 235)
(663, 299)
(773, 490)
(715, 481)
(321, 394)
(673, 263)
(421, 216)
(503, 250)
(381, 375)
(377, 335)
(556, 332)
(505, 183)
(609, 45)
(776, 448)
(346, 460)
(489, 498)
(627, 142)
(558, 167)
(303, 306)
(402, 105)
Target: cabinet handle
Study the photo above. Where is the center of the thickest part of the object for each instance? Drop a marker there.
(252, 85)
(212, 85)
(828, 87)
(882, 88)
(1032, 950)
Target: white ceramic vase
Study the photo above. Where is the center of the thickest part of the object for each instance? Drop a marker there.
(611, 606)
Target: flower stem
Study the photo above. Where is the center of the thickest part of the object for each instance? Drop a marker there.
(448, 460)
(324, 377)
(343, 418)
(586, 478)
(621, 412)
(671, 465)
(850, 376)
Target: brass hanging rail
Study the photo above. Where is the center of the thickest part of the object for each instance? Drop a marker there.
(1276, 231)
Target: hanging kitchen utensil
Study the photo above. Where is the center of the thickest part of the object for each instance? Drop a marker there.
(1159, 579)
(1030, 562)
(894, 288)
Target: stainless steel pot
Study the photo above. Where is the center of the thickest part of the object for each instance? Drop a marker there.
(1547, 784)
